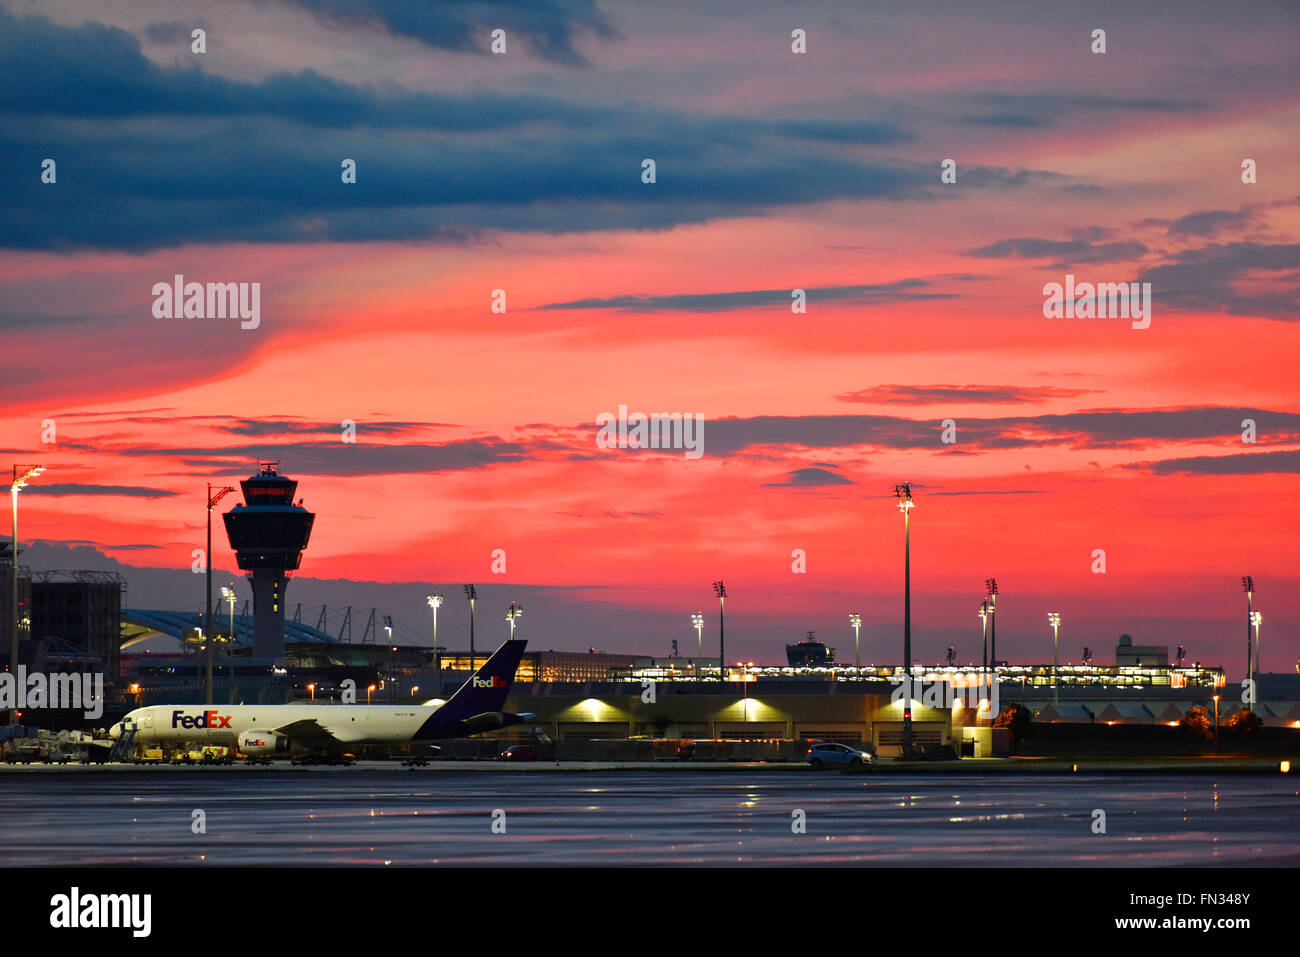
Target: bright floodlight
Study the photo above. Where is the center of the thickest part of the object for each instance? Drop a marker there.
(697, 620)
(855, 620)
(22, 473)
(904, 493)
(434, 600)
(1256, 618)
(1053, 619)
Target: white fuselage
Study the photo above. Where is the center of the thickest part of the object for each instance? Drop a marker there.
(222, 724)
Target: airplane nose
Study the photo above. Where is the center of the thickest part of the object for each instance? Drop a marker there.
(116, 731)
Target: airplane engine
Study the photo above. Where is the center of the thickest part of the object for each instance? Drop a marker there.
(263, 744)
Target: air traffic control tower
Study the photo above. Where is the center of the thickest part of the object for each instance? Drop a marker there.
(268, 533)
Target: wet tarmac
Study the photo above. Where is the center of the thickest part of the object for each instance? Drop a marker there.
(388, 816)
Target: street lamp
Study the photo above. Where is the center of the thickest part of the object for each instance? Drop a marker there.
(471, 593)
(905, 504)
(434, 601)
(1055, 621)
(720, 590)
(228, 594)
(1216, 724)
(984, 630)
(514, 614)
(1255, 619)
(208, 630)
(21, 474)
(369, 691)
(392, 659)
(856, 621)
(312, 688)
(697, 620)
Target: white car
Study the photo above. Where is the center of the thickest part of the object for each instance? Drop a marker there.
(834, 753)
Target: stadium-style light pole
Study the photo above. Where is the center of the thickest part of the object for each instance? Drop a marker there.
(905, 504)
(697, 620)
(21, 474)
(720, 590)
(856, 621)
(1054, 620)
(208, 630)
(991, 596)
(1255, 619)
(514, 614)
(1216, 724)
(434, 601)
(984, 630)
(471, 593)
(1248, 584)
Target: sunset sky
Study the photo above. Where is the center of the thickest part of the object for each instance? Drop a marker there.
(774, 171)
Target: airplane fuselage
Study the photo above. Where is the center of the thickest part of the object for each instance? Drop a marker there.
(223, 724)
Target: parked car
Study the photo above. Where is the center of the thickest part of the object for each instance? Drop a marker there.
(520, 752)
(830, 752)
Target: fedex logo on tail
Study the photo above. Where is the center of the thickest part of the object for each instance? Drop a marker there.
(208, 719)
(496, 681)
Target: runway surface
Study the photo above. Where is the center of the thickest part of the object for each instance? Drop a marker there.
(386, 816)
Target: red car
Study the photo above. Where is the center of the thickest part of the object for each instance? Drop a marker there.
(520, 752)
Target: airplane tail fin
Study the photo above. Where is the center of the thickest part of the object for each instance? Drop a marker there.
(487, 688)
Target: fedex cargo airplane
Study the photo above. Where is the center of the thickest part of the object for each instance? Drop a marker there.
(281, 729)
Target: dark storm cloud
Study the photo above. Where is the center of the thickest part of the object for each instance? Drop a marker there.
(1204, 278)
(548, 26)
(152, 156)
(1065, 252)
(1242, 463)
(931, 394)
(905, 290)
(1211, 222)
(135, 491)
(810, 478)
(1106, 428)
(339, 458)
(291, 425)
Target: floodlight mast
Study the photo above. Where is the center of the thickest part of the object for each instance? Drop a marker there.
(904, 494)
(991, 596)
(697, 620)
(471, 593)
(720, 590)
(1248, 585)
(1054, 620)
(856, 621)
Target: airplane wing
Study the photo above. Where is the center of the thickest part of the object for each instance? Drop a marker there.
(308, 729)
